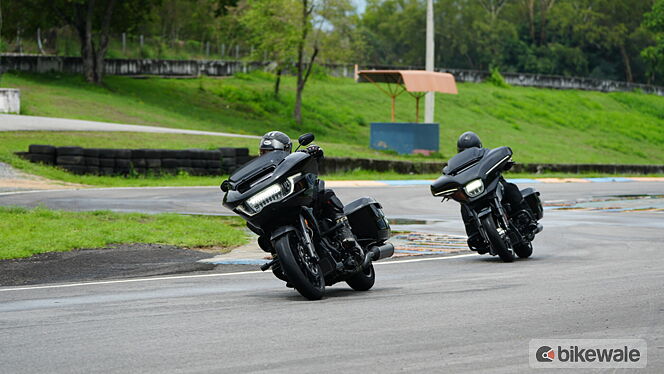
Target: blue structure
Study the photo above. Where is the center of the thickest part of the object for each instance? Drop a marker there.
(405, 137)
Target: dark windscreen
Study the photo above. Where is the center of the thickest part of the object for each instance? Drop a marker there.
(270, 159)
(464, 159)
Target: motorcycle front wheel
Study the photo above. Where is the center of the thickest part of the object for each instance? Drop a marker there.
(497, 243)
(302, 271)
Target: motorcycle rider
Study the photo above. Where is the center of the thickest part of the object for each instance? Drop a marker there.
(328, 203)
(512, 197)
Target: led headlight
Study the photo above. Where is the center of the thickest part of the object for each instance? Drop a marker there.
(474, 188)
(272, 193)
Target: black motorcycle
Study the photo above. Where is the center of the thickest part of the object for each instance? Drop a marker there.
(278, 195)
(473, 178)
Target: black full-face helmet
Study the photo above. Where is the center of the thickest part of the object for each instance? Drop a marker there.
(468, 140)
(275, 141)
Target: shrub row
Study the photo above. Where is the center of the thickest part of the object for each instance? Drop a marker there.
(110, 161)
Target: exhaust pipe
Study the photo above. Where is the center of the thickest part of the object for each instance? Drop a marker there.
(378, 253)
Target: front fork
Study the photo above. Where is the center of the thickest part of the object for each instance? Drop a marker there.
(305, 229)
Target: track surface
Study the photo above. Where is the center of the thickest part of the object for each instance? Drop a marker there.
(594, 274)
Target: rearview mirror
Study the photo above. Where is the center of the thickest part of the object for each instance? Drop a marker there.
(306, 139)
(225, 185)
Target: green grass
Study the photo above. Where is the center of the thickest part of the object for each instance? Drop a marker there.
(540, 125)
(25, 232)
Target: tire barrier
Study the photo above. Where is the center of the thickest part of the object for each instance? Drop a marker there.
(110, 161)
(339, 165)
(222, 161)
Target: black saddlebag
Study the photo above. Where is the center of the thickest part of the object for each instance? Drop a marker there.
(532, 199)
(367, 220)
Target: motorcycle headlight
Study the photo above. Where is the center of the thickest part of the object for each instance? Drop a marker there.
(474, 188)
(271, 194)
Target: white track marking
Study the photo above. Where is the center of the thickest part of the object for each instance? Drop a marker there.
(127, 281)
(204, 275)
(421, 259)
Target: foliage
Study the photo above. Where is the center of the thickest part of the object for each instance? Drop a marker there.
(497, 79)
(609, 39)
(562, 37)
(26, 232)
(654, 54)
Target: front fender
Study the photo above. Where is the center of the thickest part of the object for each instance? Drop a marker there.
(281, 231)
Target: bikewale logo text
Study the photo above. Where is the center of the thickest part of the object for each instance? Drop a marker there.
(588, 353)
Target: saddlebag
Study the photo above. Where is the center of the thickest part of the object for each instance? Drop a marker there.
(367, 220)
(532, 199)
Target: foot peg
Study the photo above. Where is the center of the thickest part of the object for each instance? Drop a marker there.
(268, 265)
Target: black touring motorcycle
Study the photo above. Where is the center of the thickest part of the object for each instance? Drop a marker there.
(277, 194)
(473, 178)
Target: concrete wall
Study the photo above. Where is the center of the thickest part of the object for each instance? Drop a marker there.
(10, 100)
(42, 64)
(45, 64)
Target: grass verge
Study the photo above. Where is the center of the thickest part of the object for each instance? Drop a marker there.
(26, 232)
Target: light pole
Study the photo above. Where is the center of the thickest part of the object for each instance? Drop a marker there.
(430, 96)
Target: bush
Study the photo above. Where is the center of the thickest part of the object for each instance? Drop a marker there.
(497, 79)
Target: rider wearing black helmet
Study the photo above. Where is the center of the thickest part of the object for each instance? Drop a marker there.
(275, 141)
(330, 205)
(468, 140)
(511, 197)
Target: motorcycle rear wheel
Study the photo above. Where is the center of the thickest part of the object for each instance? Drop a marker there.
(302, 272)
(364, 280)
(497, 243)
(523, 250)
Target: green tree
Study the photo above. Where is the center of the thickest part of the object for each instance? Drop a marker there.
(654, 54)
(283, 30)
(93, 21)
(270, 27)
(394, 31)
(338, 33)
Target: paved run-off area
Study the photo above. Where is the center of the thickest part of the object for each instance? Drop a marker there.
(595, 273)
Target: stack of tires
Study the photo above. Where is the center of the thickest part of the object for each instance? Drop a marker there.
(234, 158)
(106, 161)
(44, 154)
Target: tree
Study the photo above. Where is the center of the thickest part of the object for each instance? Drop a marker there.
(394, 31)
(338, 34)
(493, 7)
(613, 25)
(272, 32)
(654, 54)
(303, 71)
(282, 29)
(93, 21)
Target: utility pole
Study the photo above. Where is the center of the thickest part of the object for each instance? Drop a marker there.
(430, 96)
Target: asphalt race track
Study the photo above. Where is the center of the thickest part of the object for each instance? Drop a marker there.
(597, 272)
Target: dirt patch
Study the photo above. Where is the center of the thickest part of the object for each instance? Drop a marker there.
(114, 262)
(16, 180)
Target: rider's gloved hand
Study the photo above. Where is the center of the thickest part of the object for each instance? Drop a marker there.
(314, 151)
